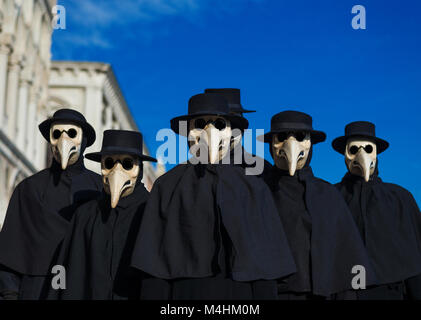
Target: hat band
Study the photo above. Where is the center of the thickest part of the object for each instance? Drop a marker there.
(360, 133)
(291, 125)
(122, 150)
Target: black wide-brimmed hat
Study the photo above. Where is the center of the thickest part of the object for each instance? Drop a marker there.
(234, 99)
(120, 142)
(290, 121)
(362, 129)
(205, 104)
(71, 116)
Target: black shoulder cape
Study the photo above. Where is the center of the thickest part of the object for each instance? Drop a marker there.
(390, 223)
(98, 248)
(38, 216)
(322, 234)
(180, 235)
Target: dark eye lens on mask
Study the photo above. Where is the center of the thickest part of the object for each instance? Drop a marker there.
(109, 163)
(220, 124)
(282, 136)
(300, 135)
(127, 164)
(353, 150)
(368, 148)
(56, 134)
(200, 123)
(72, 133)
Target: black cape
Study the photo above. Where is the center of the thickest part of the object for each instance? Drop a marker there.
(216, 227)
(98, 248)
(389, 221)
(37, 220)
(322, 234)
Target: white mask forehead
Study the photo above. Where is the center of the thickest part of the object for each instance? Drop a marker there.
(361, 156)
(118, 181)
(209, 144)
(291, 154)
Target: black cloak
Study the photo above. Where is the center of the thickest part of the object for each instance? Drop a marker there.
(36, 222)
(97, 250)
(389, 221)
(213, 233)
(322, 235)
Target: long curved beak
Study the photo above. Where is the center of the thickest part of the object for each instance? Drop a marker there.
(213, 141)
(292, 152)
(66, 148)
(364, 162)
(118, 182)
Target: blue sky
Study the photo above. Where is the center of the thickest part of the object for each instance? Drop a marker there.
(299, 55)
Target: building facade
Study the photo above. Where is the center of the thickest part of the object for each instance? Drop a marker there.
(92, 89)
(32, 88)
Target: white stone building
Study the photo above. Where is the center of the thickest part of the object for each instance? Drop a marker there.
(26, 100)
(92, 89)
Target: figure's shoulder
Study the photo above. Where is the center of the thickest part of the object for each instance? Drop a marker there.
(395, 188)
(326, 186)
(170, 174)
(35, 180)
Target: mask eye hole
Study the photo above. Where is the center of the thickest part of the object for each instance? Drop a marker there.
(72, 133)
(128, 164)
(282, 136)
(56, 134)
(108, 163)
(220, 124)
(300, 135)
(353, 150)
(368, 148)
(200, 123)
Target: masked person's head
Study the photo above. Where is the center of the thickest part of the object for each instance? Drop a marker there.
(360, 146)
(291, 139)
(121, 159)
(68, 134)
(210, 127)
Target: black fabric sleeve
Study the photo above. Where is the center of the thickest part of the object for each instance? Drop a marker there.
(9, 284)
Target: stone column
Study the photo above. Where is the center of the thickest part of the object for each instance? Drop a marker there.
(4, 55)
(22, 114)
(12, 94)
(32, 126)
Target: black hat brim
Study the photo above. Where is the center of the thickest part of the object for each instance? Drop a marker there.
(88, 130)
(97, 156)
(339, 144)
(316, 136)
(236, 121)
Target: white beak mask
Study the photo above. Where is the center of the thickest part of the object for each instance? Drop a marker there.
(66, 141)
(361, 157)
(290, 150)
(209, 138)
(119, 176)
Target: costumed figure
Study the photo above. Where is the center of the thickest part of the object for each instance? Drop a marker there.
(386, 214)
(322, 235)
(42, 205)
(208, 231)
(97, 250)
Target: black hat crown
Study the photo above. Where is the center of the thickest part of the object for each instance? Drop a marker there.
(289, 121)
(362, 129)
(120, 142)
(204, 104)
(233, 97)
(72, 116)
